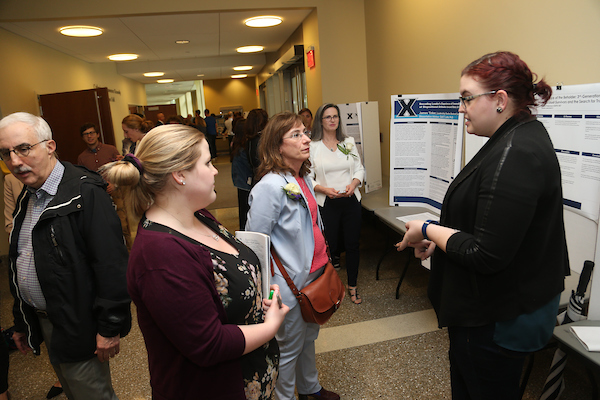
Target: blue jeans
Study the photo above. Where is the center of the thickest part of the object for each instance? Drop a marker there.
(479, 368)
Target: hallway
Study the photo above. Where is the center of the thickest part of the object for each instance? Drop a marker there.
(382, 349)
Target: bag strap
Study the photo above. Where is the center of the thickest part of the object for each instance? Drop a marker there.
(284, 273)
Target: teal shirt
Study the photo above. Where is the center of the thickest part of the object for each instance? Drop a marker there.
(528, 332)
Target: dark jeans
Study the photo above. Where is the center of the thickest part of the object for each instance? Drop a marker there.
(479, 368)
(212, 145)
(343, 216)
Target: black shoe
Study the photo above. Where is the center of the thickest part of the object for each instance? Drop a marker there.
(322, 395)
(336, 263)
(54, 391)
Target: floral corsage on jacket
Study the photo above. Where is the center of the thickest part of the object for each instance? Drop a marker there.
(346, 148)
(293, 192)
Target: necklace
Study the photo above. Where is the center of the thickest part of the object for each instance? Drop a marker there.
(330, 146)
(214, 236)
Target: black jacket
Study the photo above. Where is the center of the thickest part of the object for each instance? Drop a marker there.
(510, 254)
(81, 263)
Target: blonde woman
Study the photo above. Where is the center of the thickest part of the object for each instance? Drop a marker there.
(197, 289)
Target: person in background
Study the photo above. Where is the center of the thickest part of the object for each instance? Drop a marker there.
(200, 123)
(255, 123)
(160, 119)
(176, 119)
(211, 132)
(64, 222)
(307, 119)
(134, 129)
(197, 289)
(338, 172)
(97, 153)
(499, 253)
(283, 206)
(229, 129)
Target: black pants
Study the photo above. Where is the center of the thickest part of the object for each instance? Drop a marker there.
(243, 207)
(343, 216)
(479, 368)
(212, 145)
(3, 365)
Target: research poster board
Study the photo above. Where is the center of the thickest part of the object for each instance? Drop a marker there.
(361, 122)
(425, 148)
(572, 118)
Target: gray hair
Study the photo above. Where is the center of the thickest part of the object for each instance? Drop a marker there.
(39, 125)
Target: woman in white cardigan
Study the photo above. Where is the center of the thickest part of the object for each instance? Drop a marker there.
(337, 173)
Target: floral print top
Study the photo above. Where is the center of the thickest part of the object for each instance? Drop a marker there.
(238, 282)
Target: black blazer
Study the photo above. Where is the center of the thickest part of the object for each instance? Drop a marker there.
(509, 256)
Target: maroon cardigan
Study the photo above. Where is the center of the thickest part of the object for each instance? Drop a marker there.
(192, 352)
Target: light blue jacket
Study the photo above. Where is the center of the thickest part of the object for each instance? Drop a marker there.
(289, 224)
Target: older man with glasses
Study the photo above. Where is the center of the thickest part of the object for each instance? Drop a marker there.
(67, 261)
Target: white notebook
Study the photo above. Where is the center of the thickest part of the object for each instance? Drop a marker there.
(261, 245)
(589, 336)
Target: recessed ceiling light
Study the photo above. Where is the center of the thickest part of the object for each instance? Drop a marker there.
(153, 74)
(123, 57)
(239, 76)
(182, 41)
(165, 80)
(249, 49)
(263, 21)
(242, 68)
(81, 31)
(200, 75)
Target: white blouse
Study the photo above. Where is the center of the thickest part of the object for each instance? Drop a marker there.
(335, 169)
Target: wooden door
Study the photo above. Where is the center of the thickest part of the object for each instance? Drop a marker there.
(66, 112)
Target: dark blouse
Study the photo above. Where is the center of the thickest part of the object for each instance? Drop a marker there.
(190, 299)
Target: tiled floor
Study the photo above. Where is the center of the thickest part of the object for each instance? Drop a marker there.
(385, 348)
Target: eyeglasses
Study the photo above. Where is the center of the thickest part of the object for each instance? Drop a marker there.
(466, 100)
(88, 133)
(330, 118)
(21, 150)
(298, 135)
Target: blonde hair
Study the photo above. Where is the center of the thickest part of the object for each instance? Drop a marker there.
(165, 149)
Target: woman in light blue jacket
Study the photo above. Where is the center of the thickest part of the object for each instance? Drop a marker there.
(283, 205)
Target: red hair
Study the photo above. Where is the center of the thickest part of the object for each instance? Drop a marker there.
(504, 70)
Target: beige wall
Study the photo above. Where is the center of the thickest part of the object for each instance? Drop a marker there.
(421, 46)
(230, 92)
(34, 69)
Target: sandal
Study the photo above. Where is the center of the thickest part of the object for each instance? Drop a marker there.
(354, 296)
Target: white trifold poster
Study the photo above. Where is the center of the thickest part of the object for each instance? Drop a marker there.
(425, 148)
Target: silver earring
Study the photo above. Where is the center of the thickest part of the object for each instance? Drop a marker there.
(183, 183)
(499, 110)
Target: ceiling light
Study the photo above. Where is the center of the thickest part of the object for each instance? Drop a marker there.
(81, 31)
(249, 49)
(153, 74)
(263, 21)
(165, 80)
(242, 68)
(182, 41)
(239, 76)
(123, 57)
(200, 75)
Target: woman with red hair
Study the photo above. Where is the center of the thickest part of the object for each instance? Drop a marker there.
(499, 253)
